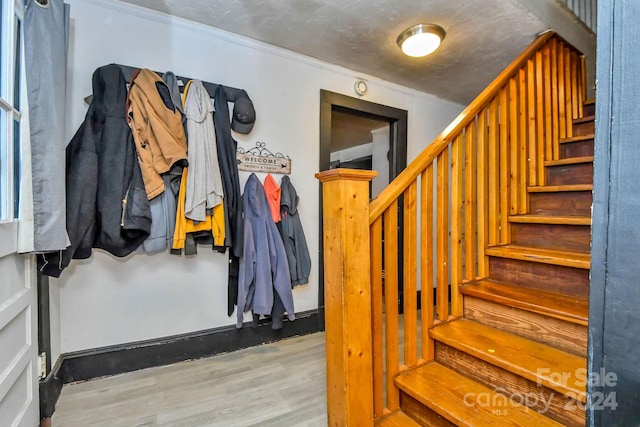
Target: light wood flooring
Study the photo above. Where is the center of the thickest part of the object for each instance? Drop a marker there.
(280, 384)
(274, 385)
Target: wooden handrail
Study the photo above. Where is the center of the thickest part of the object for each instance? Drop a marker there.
(407, 176)
(457, 197)
(433, 226)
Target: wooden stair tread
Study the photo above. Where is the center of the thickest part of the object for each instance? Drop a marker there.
(560, 188)
(585, 119)
(577, 138)
(550, 304)
(589, 101)
(542, 364)
(463, 401)
(569, 161)
(396, 419)
(545, 256)
(551, 219)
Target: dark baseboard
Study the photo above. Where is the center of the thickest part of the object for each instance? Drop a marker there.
(118, 359)
(321, 316)
(49, 390)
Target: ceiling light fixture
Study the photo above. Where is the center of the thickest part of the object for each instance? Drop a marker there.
(421, 39)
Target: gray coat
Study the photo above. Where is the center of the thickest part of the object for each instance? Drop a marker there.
(295, 243)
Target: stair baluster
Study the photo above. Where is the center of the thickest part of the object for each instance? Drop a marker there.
(467, 200)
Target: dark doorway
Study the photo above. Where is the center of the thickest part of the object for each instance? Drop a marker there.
(343, 109)
(359, 142)
(340, 114)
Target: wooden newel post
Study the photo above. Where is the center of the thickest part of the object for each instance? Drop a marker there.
(347, 298)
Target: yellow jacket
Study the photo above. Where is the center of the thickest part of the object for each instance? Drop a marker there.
(213, 222)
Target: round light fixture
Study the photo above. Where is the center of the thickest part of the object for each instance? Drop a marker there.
(421, 39)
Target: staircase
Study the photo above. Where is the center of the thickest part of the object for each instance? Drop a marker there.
(523, 333)
(494, 216)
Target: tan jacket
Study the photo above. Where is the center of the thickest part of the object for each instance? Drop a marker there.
(157, 129)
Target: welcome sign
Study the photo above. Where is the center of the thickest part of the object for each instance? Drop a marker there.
(260, 159)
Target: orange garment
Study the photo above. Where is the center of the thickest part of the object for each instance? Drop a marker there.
(157, 129)
(272, 190)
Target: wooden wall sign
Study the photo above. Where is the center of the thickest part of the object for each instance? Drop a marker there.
(261, 159)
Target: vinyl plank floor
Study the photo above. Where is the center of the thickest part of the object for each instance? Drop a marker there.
(274, 385)
(279, 384)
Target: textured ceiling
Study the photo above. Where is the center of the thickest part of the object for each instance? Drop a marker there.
(483, 36)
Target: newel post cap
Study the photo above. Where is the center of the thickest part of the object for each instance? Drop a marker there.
(346, 174)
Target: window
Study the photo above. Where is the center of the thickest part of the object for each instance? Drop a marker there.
(11, 93)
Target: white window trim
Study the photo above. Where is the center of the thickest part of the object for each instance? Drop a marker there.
(9, 228)
(8, 238)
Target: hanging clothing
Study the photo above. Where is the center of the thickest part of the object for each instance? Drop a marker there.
(227, 147)
(292, 234)
(263, 265)
(187, 231)
(106, 202)
(204, 188)
(213, 224)
(163, 207)
(157, 129)
(171, 81)
(163, 213)
(42, 211)
(272, 190)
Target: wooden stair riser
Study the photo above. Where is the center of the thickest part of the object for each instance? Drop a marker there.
(552, 236)
(561, 203)
(546, 277)
(581, 148)
(461, 400)
(421, 413)
(537, 362)
(557, 333)
(557, 306)
(580, 173)
(589, 108)
(554, 405)
(396, 419)
(584, 126)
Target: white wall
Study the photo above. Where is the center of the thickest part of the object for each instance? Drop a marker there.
(380, 163)
(104, 300)
(352, 153)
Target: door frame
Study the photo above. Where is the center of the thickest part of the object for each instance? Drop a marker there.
(613, 348)
(397, 119)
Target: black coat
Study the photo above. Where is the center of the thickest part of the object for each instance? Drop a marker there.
(227, 146)
(107, 206)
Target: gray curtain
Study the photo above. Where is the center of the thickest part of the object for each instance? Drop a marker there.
(46, 35)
